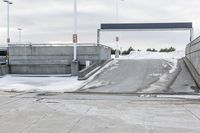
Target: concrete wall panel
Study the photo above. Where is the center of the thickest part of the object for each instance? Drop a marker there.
(34, 59)
(193, 53)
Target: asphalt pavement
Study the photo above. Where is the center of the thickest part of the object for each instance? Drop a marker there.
(142, 76)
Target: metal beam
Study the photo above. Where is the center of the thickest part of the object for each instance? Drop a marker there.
(140, 26)
(145, 27)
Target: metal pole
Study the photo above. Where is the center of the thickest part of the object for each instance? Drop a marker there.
(75, 30)
(191, 34)
(8, 19)
(20, 35)
(117, 11)
(117, 21)
(8, 23)
(98, 36)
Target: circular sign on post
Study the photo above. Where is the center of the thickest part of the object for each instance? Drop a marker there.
(75, 38)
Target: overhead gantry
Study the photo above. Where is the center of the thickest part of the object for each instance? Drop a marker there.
(145, 27)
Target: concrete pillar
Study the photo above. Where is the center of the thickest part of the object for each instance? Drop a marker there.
(98, 36)
(74, 68)
(117, 54)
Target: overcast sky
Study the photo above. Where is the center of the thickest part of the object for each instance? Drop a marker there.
(52, 21)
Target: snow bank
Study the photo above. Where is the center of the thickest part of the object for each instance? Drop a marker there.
(171, 58)
(47, 83)
(41, 84)
(153, 55)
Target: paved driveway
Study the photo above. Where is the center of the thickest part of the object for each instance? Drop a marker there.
(142, 76)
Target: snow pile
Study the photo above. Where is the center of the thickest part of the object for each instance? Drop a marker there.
(171, 57)
(39, 84)
(153, 55)
(46, 83)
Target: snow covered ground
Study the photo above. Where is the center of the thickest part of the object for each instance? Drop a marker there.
(171, 57)
(52, 83)
(153, 55)
(69, 84)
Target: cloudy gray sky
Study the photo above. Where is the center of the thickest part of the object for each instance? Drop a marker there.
(52, 21)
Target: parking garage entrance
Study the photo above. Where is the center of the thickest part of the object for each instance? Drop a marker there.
(145, 27)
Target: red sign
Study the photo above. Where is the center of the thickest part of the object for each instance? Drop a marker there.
(75, 38)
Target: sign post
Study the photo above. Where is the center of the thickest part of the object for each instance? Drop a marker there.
(75, 36)
(117, 48)
(75, 64)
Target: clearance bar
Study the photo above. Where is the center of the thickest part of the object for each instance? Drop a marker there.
(145, 27)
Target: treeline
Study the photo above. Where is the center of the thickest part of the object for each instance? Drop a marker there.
(171, 49)
(130, 49)
(125, 52)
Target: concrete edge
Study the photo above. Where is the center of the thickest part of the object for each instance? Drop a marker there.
(94, 70)
(87, 70)
(192, 71)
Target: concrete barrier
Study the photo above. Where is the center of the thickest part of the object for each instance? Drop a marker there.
(53, 59)
(193, 59)
(88, 72)
(84, 74)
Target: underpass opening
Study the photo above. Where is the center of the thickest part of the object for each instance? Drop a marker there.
(143, 27)
(153, 76)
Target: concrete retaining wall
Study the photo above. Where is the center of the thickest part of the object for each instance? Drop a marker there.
(53, 59)
(193, 53)
(192, 59)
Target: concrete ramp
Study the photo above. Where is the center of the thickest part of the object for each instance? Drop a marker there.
(142, 76)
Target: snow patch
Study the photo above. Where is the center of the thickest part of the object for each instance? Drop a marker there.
(171, 57)
(45, 83)
(41, 84)
(135, 55)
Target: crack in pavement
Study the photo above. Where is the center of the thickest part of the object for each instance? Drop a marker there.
(79, 120)
(11, 101)
(193, 114)
(34, 123)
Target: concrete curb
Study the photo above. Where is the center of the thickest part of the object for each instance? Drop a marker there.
(192, 71)
(94, 70)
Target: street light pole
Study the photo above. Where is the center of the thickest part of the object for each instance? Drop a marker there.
(117, 11)
(8, 19)
(117, 21)
(75, 63)
(20, 35)
(75, 36)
